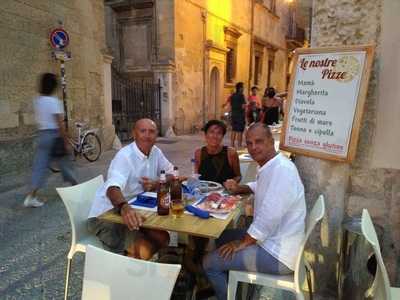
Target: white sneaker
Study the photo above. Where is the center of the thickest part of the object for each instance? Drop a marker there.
(32, 202)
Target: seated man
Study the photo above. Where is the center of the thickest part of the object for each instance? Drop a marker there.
(134, 168)
(270, 244)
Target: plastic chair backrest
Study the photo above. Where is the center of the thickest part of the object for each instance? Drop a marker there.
(316, 214)
(111, 276)
(381, 285)
(248, 170)
(78, 201)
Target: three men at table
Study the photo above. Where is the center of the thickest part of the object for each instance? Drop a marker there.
(135, 168)
(270, 244)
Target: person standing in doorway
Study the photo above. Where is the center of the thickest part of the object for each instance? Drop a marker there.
(238, 107)
(49, 113)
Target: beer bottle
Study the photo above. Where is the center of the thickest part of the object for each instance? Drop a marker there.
(176, 188)
(176, 195)
(163, 196)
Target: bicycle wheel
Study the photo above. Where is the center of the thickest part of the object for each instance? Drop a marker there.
(91, 147)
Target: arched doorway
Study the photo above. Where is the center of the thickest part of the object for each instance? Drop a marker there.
(214, 93)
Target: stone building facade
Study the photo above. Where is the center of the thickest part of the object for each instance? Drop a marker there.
(199, 49)
(372, 181)
(25, 53)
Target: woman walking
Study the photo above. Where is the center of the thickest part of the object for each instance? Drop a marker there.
(52, 138)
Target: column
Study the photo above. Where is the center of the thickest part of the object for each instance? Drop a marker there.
(163, 73)
(108, 129)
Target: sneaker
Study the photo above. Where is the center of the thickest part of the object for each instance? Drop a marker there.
(32, 202)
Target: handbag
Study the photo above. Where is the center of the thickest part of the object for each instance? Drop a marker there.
(58, 148)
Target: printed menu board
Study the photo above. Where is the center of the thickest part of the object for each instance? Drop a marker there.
(325, 101)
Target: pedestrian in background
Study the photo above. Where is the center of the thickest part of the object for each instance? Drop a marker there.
(253, 106)
(271, 105)
(238, 111)
(52, 138)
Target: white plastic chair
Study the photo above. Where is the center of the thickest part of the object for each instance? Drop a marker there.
(380, 289)
(248, 169)
(290, 283)
(110, 276)
(78, 201)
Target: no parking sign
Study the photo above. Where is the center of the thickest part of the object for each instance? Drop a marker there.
(59, 38)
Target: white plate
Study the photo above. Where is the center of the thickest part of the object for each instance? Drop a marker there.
(245, 157)
(207, 186)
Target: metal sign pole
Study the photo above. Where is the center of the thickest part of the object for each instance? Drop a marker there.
(59, 39)
(64, 94)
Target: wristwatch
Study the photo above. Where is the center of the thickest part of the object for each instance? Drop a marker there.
(120, 206)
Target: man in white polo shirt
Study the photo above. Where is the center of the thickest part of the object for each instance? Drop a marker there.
(135, 168)
(271, 243)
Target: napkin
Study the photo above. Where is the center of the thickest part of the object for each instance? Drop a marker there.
(147, 199)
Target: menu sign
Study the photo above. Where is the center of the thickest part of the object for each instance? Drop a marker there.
(325, 101)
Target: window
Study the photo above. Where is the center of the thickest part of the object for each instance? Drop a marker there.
(270, 70)
(271, 4)
(231, 40)
(257, 69)
(230, 65)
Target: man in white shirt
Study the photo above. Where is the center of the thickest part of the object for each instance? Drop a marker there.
(135, 168)
(271, 243)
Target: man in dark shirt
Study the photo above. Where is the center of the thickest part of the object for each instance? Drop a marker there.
(238, 107)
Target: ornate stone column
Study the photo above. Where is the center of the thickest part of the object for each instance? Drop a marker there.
(163, 73)
(108, 130)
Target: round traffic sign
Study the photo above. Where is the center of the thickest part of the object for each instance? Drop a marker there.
(59, 38)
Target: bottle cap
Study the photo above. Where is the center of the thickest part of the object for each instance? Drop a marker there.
(162, 176)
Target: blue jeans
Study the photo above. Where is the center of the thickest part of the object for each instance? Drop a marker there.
(43, 157)
(253, 258)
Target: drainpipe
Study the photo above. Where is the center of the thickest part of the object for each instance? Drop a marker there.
(155, 31)
(204, 20)
(251, 46)
(310, 24)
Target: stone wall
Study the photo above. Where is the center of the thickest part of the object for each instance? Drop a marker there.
(25, 53)
(188, 79)
(349, 188)
(272, 27)
(193, 77)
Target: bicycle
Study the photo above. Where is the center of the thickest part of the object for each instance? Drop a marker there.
(87, 144)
